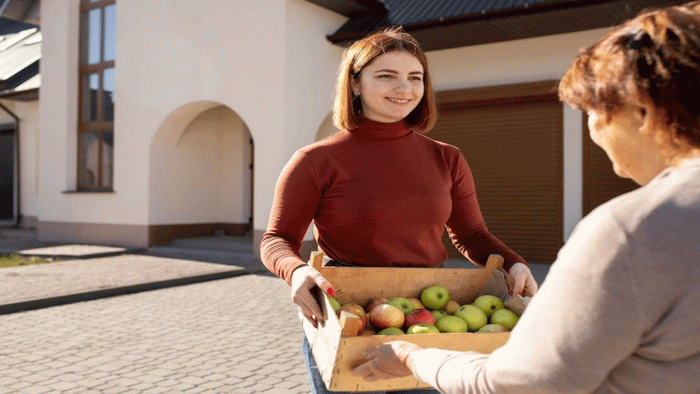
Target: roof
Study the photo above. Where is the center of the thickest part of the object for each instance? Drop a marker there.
(442, 24)
(20, 54)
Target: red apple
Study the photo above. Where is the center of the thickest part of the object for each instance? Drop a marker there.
(385, 315)
(356, 310)
(374, 302)
(418, 316)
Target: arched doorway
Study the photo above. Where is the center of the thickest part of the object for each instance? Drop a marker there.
(201, 169)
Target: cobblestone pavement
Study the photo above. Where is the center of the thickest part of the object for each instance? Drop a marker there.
(238, 335)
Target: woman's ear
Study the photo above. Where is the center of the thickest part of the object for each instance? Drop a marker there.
(651, 117)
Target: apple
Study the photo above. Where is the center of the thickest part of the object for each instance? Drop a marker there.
(451, 323)
(356, 310)
(402, 303)
(434, 297)
(334, 303)
(438, 313)
(505, 317)
(488, 303)
(367, 332)
(419, 316)
(491, 328)
(422, 328)
(475, 317)
(391, 331)
(416, 302)
(451, 307)
(385, 315)
(374, 302)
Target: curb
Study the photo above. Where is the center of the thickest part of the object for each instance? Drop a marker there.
(25, 306)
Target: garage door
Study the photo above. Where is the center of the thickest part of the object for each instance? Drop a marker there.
(515, 152)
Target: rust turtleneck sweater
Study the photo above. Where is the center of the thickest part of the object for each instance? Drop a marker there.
(380, 195)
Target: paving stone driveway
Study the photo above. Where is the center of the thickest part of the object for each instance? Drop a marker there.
(238, 335)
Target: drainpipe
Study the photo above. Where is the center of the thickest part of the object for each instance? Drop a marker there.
(17, 156)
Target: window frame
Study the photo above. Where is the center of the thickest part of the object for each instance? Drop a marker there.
(98, 125)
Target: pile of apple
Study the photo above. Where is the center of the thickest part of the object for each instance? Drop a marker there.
(434, 312)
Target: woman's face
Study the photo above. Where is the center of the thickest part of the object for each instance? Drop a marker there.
(390, 86)
(631, 148)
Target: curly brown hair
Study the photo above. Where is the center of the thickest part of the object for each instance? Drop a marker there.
(654, 57)
(347, 112)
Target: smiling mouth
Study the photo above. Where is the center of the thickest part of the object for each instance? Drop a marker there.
(398, 101)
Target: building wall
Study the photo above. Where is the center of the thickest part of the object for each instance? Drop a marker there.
(173, 54)
(519, 61)
(268, 65)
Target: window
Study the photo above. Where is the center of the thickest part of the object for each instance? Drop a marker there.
(97, 88)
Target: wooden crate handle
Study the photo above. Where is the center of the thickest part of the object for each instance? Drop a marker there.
(495, 261)
(316, 260)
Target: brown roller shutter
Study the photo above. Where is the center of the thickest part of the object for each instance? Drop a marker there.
(514, 149)
(600, 183)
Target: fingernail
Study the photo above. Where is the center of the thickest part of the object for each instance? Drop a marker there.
(331, 292)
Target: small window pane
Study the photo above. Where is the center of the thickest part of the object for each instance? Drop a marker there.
(94, 38)
(88, 149)
(91, 87)
(108, 95)
(110, 32)
(107, 158)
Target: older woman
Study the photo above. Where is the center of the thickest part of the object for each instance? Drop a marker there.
(618, 311)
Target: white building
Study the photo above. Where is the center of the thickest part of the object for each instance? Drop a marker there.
(162, 119)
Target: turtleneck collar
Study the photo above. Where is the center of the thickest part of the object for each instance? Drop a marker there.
(373, 130)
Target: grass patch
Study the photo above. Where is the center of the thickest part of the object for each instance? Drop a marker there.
(14, 260)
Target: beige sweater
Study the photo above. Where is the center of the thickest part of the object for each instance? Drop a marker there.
(619, 311)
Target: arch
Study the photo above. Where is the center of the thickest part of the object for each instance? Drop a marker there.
(201, 177)
(326, 128)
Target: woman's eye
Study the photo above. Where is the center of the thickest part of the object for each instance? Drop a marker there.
(386, 76)
(417, 79)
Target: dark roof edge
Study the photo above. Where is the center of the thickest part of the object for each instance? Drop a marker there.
(20, 95)
(341, 37)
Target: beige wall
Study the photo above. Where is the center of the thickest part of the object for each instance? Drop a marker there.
(263, 67)
(519, 61)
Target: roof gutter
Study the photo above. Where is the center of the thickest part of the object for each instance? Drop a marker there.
(526, 9)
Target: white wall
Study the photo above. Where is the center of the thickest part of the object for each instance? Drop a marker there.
(520, 61)
(199, 168)
(169, 54)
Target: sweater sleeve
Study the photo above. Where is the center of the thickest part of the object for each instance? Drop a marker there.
(466, 226)
(582, 323)
(296, 199)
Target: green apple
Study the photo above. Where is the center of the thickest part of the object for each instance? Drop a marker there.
(488, 304)
(391, 331)
(416, 302)
(438, 313)
(402, 303)
(491, 328)
(451, 323)
(422, 328)
(505, 317)
(475, 317)
(334, 303)
(435, 297)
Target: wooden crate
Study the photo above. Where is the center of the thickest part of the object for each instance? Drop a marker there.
(334, 344)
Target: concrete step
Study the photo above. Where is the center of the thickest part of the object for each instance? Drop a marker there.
(222, 243)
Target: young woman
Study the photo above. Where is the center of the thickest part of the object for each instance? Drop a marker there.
(379, 192)
(618, 311)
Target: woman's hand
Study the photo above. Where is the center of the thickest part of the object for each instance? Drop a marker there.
(387, 361)
(303, 280)
(525, 283)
